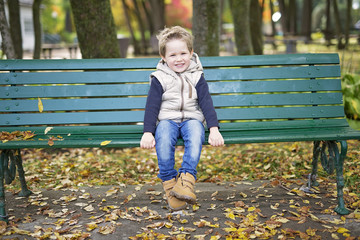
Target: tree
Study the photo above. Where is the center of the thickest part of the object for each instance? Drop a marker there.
(288, 11)
(348, 21)
(241, 18)
(15, 27)
(338, 28)
(206, 27)
(7, 43)
(37, 28)
(256, 27)
(306, 19)
(127, 13)
(95, 28)
(158, 15)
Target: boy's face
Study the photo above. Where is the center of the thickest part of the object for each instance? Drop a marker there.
(177, 55)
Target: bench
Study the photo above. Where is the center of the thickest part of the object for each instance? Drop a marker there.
(100, 103)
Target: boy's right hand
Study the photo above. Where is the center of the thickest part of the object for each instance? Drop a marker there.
(147, 140)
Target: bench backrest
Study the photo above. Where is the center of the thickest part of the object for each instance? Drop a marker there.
(245, 89)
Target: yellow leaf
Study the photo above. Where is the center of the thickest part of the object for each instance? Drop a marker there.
(91, 226)
(104, 143)
(40, 105)
(251, 209)
(183, 221)
(230, 215)
(342, 230)
(195, 207)
(266, 167)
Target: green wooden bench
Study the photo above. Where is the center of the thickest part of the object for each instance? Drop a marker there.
(100, 103)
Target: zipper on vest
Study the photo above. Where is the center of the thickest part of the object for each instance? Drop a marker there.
(190, 87)
(182, 98)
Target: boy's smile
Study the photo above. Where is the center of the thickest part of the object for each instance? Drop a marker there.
(177, 55)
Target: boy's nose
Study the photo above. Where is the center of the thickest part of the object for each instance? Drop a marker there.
(178, 58)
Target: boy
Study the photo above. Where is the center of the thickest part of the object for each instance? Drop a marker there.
(177, 106)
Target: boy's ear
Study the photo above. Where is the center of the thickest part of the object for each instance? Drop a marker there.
(191, 53)
(163, 58)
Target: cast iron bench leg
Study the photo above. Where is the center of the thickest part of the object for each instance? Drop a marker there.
(341, 209)
(3, 216)
(25, 192)
(7, 173)
(329, 161)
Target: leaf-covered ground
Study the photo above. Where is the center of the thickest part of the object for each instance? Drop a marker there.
(78, 167)
(284, 166)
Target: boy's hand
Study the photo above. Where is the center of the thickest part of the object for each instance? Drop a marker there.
(147, 140)
(215, 137)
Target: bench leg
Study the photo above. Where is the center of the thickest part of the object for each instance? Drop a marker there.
(341, 209)
(25, 192)
(3, 216)
(8, 163)
(330, 160)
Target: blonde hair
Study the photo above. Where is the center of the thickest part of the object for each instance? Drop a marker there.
(177, 32)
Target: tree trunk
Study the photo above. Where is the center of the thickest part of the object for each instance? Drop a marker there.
(7, 44)
(338, 28)
(149, 17)
(306, 20)
(348, 21)
(15, 27)
(328, 32)
(206, 27)
(158, 14)
(37, 28)
(284, 17)
(292, 9)
(128, 21)
(241, 17)
(256, 27)
(141, 27)
(95, 28)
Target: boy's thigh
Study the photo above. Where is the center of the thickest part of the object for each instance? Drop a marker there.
(193, 130)
(167, 130)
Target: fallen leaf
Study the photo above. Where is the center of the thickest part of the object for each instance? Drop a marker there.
(104, 143)
(40, 105)
(48, 129)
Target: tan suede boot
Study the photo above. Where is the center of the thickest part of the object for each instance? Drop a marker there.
(184, 188)
(174, 203)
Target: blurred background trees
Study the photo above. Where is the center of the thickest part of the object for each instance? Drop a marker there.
(128, 28)
(219, 26)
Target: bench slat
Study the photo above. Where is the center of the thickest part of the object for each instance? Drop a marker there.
(138, 116)
(150, 63)
(74, 77)
(280, 113)
(139, 102)
(269, 60)
(75, 91)
(272, 73)
(142, 89)
(143, 76)
(234, 137)
(277, 99)
(76, 64)
(291, 135)
(225, 126)
(275, 86)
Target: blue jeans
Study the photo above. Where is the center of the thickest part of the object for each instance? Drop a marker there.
(166, 136)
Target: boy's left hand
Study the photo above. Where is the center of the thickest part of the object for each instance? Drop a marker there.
(215, 137)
